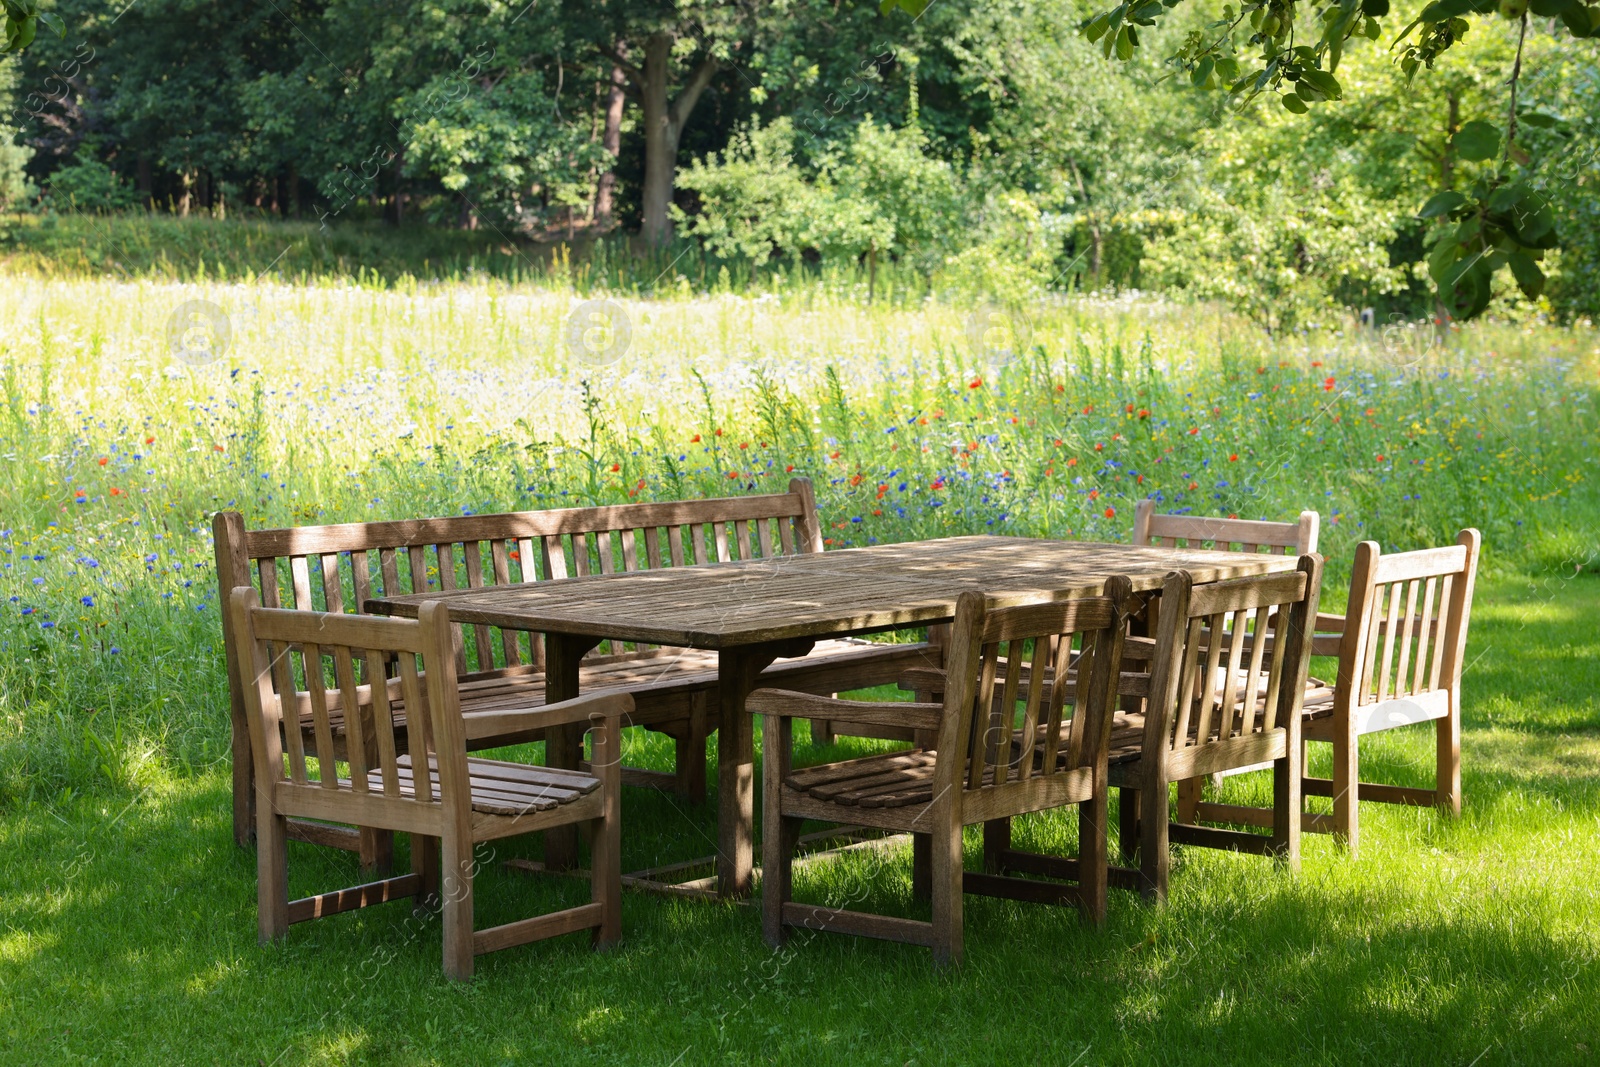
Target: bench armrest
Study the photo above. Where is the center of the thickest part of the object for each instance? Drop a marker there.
(591, 708)
(788, 704)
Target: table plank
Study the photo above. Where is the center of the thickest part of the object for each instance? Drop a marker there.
(850, 591)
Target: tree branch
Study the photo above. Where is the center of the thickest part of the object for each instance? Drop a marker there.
(635, 75)
(690, 94)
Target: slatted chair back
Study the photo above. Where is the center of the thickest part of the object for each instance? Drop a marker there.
(1406, 629)
(337, 568)
(1241, 535)
(298, 660)
(1005, 725)
(1219, 704)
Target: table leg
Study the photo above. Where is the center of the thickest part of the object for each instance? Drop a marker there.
(738, 672)
(563, 746)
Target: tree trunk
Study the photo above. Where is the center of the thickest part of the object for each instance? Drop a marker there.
(292, 180)
(1096, 238)
(663, 124)
(660, 143)
(605, 193)
(1447, 180)
(186, 197)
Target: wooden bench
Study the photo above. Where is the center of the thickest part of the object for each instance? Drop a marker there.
(337, 568)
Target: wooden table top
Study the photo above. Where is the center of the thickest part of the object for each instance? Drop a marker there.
(850, 591)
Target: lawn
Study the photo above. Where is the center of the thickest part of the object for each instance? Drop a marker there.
(127, 928)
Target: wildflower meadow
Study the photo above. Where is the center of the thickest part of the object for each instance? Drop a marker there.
(915, 416)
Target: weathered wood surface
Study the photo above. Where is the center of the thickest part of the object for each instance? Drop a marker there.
(852, 591)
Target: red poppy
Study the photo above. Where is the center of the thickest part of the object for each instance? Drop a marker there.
(103, 460)
(976, 383)
(789, 469)
(695, 439)
(938, 483)
(1233, 457)
(1327, 384)
(115, 491)
(733, 476)
(1094, 494)
(149, 440)
(615, 467)
(1072, 461)
(1111, 513)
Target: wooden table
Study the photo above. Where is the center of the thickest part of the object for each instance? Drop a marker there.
(754, 613)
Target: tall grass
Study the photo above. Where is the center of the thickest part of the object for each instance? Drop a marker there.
(916, 418)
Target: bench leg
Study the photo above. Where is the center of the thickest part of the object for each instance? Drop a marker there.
(377, 852)
(1128, 824)
(922, 867)
(689, 760)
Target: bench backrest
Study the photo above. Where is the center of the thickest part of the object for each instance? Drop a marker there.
(1406, 624)
(1249, 535)
(337, 568)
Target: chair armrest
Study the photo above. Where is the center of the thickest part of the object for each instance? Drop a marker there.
(1329, 623)
(791, 705)
(581, 709)
(930, 680)
(923, 680)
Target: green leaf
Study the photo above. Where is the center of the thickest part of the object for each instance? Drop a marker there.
(1477, 140)
(1322, 82)
(1148, 11)
(1551, 8)
(1097, 26)
(53, 22)
(1469, 296)
(1124, 44)
(1530, 279)
(1293, 103)
(1441, 204)
(1375, 8)
(1542, 120)
(1202, 71)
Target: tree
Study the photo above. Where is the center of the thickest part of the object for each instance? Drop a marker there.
(668, 53)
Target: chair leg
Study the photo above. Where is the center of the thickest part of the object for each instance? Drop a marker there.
(1092, 874)
(425, 864)
(272, 875)
(780, 837)
(1189, 792)
(1154, 862)
(1288, 803)
(922, 867)
(377, 851)
(947, 918)
(1128, 824)
(1447, 785)
(822, 732)
(996, 839)
(605, 868)
(458, 866)
(1346, 793)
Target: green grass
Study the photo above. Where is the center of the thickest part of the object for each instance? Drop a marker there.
(127, 915)
(127, 931)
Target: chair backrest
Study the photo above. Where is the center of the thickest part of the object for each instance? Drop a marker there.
(299, 660)
(1003, 661)
(1249, 535)
(1406, 623)
(337, 568)
(1230, 659)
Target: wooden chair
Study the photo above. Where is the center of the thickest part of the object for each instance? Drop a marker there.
(1399, 665)
(337, 568)
(1228, 535)
(299, 662)
(1217, 705)
(986, 766)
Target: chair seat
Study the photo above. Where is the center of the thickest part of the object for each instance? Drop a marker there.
(500, 788)
(892, 780)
